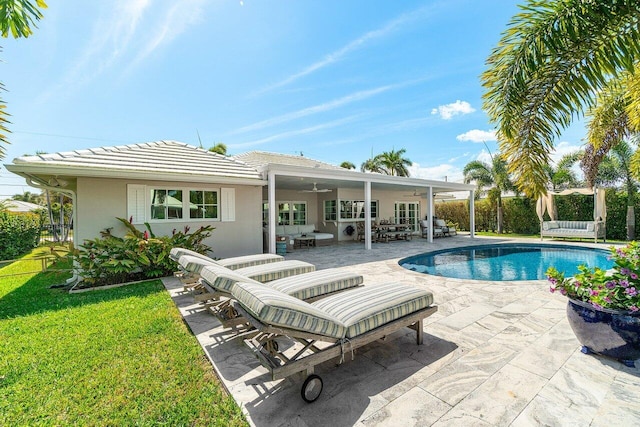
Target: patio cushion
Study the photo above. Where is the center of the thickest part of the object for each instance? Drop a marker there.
(234, 263)
(194, 264)
(176, 253)
(222, 279)
(276, 270)
(304, 229)
(369, 307)
(278, 309)
(317, 283)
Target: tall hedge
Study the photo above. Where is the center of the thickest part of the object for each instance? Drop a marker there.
(19, 233)
(519, 213)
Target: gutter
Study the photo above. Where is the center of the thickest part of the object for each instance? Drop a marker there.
(38, 183)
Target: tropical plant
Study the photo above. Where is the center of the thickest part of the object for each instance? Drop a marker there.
(491, 179)
(617, 289)
(394, 163)
(137, 255)
(562, 176)
(19, 233)
(614, 170)
(29, 197)
(16, 17)
(219, 148)
(347, 165)
(372, 165)
(553, 60)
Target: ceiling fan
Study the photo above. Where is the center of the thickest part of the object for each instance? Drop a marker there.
(315, 189)
(416, 193)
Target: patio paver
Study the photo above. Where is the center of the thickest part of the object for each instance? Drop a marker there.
(495, 354)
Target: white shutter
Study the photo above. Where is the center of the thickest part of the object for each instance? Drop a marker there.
(228, 204)
(136, 206)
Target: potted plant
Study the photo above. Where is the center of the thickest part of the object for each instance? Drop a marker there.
(604, 306)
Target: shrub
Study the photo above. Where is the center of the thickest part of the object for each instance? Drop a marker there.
(136, 256)
(19, 233)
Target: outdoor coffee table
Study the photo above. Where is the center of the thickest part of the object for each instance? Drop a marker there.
(304, 242)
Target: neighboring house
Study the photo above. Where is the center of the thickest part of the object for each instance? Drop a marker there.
(20, 206)
(172, 185)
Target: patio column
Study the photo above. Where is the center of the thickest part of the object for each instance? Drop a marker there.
(472, 214)
(367, 215)
(271, 199)
(430, 214)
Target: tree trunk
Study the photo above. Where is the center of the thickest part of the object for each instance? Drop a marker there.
(499, 219)
(631, 223)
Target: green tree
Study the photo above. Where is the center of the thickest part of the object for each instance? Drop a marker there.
(347, 165)
(394, 163)
(219, 148)
(562, 175)
(552, 61)
(372, 165)
(491, 179)
(16, 17)
(28, 196)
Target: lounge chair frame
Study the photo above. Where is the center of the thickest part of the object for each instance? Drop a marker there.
(281, 366)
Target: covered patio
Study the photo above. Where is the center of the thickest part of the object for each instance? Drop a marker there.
(495, 354)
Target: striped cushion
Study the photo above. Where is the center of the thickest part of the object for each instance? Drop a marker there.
(276, 270)
(367, 308)
(249, 260)
(176, 253)
(222, 279)
(278, 309)
(317, 283)
(194, 264)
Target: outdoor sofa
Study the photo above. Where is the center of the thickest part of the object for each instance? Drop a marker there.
(578, 229)
(326, 329)
(291, 232)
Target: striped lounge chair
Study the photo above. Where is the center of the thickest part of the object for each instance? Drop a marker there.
(310, 286)
(345, 321)
(190, 278)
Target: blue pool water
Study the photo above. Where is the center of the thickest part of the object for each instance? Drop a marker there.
(507, 261)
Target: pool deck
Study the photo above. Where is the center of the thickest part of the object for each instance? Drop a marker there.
(495, 354)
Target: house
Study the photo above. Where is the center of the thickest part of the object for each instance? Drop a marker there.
(171, 185)
(20, 206)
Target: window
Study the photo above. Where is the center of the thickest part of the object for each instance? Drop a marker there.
(146, 203)
(354, 209)
(289, 213)
(166, 204)
(330, 210)
(203, 204)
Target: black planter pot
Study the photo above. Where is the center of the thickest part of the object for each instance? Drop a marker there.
(611, 333)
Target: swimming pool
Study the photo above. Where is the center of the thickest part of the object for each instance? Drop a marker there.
(513, 261)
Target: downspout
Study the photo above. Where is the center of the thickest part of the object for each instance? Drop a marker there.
(35, 182)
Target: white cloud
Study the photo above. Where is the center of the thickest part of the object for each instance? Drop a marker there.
(352, 46)
(440, 172)
(327, 106)
(563, 148)
(447, 111)
(484, 156)
(288, 134)
(477, 135)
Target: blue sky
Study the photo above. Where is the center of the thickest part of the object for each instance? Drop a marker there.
(333, 80)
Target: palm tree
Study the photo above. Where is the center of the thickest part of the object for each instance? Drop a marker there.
(28, 196)
(16, 17)
(492, 179)
(562, 176)
(393, 162)
(347, 165)
(372, 165)
(614, 169)
(219, 148)
(552, 61)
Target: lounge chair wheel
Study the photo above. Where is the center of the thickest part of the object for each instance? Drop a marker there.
(311, 388)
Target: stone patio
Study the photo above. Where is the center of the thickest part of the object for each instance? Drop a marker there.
(495, 354)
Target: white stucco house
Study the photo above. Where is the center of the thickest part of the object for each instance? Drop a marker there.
(171, 185)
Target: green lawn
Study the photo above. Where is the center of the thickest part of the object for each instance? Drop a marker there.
(116, 357)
